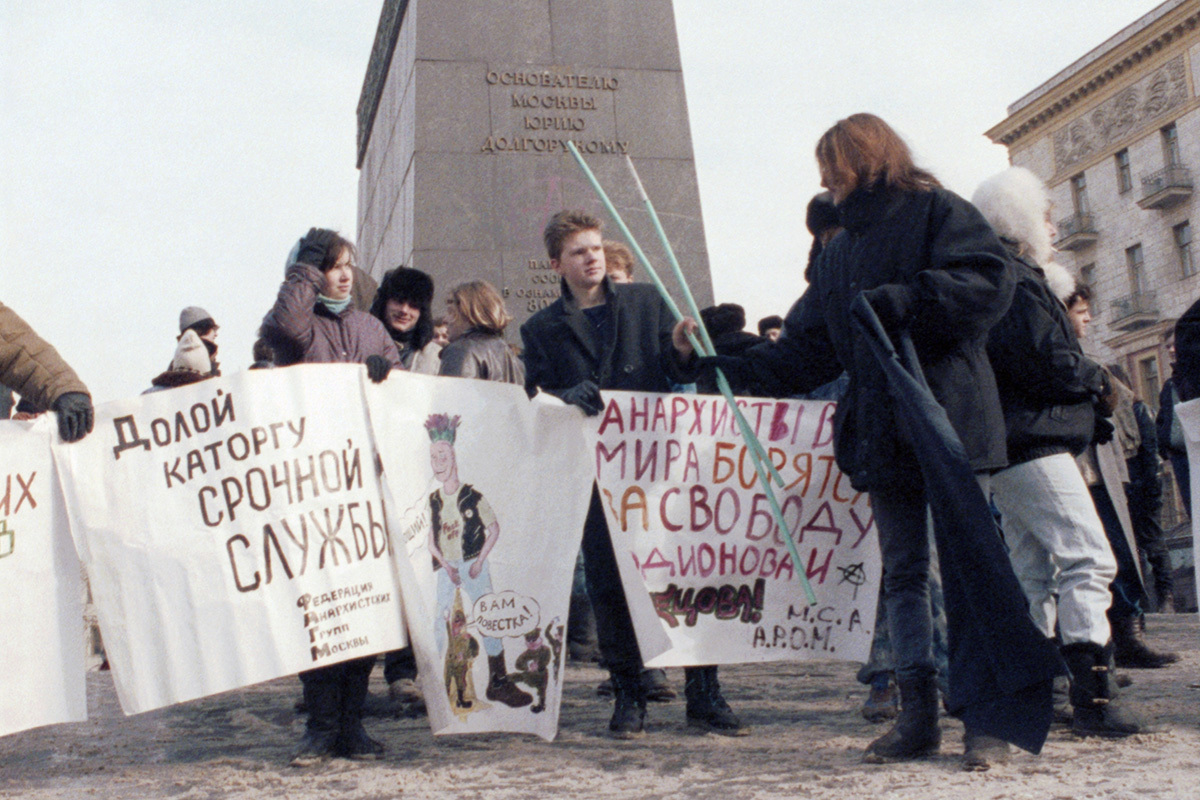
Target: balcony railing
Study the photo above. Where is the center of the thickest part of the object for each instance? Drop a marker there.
(1136, 310)
(1165, 188)
(1076, 231)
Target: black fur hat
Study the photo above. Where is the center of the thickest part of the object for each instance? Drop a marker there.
(722, 319)
(404, 283)
(414, 286)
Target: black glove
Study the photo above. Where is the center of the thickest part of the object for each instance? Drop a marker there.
(736, 370)
(586, 396)
(315, 246)
(74, 411)
(378, 368)
(893, 304)
(1103, 432)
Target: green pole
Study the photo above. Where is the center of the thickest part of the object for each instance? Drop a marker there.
(743, 425)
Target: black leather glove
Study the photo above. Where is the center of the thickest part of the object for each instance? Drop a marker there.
(584, 395)
(736, 370)
(1103, 432)
(378, 368)
(893, 304)
(315, 246)
(75, 417)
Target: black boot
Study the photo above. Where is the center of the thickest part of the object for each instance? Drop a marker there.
(353, 741)
(629, 706)
(657, 688)
(322, 699)
(1131, 650)
(980, 751)
(915, 733)
(1098, 711)
(1166, 601)
(500, 689)
(706, 708)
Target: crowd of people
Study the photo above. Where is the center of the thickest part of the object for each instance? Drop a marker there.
(971, 288)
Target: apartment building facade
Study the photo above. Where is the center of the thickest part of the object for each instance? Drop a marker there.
(1116, 137)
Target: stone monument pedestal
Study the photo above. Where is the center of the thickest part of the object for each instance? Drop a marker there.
(463, 123)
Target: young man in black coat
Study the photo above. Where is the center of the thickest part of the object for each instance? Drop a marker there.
(601, 335)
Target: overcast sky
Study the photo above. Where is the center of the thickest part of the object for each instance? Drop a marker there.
(157, 155)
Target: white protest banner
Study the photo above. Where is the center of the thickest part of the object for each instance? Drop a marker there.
(233, 532)
(694, 533)
(41, 594)
(487, 494)
(1189, 418)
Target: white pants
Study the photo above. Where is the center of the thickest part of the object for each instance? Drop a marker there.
(1057, 546)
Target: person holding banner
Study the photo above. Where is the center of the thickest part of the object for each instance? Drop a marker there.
(601, 334)
(313, 321)
(927, 263)
(32, 368)
(402, 304)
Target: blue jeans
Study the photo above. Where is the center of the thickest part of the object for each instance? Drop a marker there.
(880, 661)
(472, 589)
(902, 522)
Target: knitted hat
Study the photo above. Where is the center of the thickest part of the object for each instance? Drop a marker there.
(191, 315)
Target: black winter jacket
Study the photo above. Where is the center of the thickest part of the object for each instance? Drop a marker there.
(563, 347)
(943, 259)
(1048, 387)
(1187, 353)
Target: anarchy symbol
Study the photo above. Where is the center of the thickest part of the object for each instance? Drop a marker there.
(853, 574)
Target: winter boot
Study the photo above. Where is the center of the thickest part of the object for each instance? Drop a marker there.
(502, 690)
(883, 703)
(980, 751)
(706, 707)
(657, 688)
(1131, 650)
(1098, 712)
(353, 741)
(1063, 713)
(322, 699)
(915, 733)
(1166, 602)
(629, 707)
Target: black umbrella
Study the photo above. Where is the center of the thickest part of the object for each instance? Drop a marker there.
(1001, 666)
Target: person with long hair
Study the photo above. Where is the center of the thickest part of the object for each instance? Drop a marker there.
(314, 321)
(927, 263)
(476, 319)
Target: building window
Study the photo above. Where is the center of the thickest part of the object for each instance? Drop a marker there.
(1136, 262)
(1079, 194)
(1170, 141)
(1087, 275)
(1124, 175)
(1148, 373)
(1183, 243)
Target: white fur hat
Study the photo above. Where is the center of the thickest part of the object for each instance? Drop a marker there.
(1015, 202)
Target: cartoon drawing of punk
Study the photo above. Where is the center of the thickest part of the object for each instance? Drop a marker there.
(463, 532)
